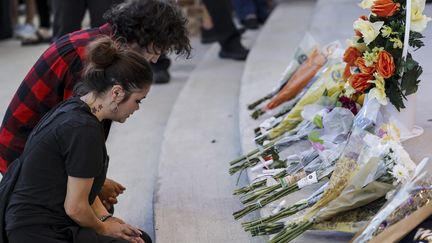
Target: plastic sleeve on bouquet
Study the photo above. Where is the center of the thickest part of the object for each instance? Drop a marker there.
(330, 80)
(299, 79)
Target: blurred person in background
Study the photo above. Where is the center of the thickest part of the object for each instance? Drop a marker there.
(251, 13)
(27, 29)
(227, 34)
(43, 33)
(5, 20)
(69, 14)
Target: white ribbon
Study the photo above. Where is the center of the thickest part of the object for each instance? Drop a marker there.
(407, 29)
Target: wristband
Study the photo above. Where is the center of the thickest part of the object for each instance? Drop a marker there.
(105, 217)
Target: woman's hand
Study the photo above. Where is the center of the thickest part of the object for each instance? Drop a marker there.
(122, 231)
(109, 192)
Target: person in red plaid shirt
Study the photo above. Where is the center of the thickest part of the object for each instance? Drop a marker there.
(150, 27)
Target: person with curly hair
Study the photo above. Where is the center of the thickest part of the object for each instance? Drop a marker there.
(150, 27)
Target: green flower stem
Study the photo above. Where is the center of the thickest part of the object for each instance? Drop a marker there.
(258, 102)
(269, 229)
(258, 184)
(257, 113)
(251, 154)
(291, 232)
(249, 226)
(264, 202)
(252, 197)
(251, 187)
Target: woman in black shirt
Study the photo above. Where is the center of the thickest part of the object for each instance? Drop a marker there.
(64, 164)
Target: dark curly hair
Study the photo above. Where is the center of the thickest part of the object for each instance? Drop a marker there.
(144, 22)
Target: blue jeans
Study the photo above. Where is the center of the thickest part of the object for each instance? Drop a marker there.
(243, 8)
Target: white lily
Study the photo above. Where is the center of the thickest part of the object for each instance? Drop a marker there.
(418, 19)
(368, 29)
(366, 4)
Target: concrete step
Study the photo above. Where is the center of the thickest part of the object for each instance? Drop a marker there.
(135, 146)
(193, 198)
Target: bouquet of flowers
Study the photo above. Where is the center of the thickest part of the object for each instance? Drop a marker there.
(337, 125)
(329, 83)
(303, 51)
(414, 194)
(372, 178)
(377, 59)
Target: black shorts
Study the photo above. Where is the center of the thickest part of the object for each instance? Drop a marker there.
(71, 234)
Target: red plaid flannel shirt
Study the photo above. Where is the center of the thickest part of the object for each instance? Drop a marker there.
(48, 82)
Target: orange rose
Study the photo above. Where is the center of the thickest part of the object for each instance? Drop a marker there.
(359, 81)
(385, 64)
(385, 8)
(351, 54)
(360, 63)
(347, 72)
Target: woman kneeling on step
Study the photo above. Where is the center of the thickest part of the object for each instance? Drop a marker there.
(50, 193)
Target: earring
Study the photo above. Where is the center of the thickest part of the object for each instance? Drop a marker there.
(113, 107)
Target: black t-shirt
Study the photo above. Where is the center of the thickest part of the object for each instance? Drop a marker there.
(74, 145)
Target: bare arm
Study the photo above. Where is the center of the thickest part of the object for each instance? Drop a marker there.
(76, 204)
(77, 207)
(99, 208)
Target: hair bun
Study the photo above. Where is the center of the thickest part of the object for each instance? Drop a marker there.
(102, 52)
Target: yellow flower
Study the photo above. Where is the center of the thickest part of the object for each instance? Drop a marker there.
(386, 31)
(368, 30)
(366, 4)
(349, 90)
(391, 132)
(397, 43)
(418, 20)
(379, 91)
(371, 57)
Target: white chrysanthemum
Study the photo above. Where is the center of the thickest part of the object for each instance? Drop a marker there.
(418, 20)
(400, 173)
(368, 29)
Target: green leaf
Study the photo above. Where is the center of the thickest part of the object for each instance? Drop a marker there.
(314, 137)
(317, 120)
(412, 71)
(394, 93)
(410, 80)
(415, 40)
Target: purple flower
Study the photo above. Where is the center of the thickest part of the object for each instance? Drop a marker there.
(348, 104)
(318, 146)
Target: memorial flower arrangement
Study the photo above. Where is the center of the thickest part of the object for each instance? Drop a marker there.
(340, 117)
(375, 58)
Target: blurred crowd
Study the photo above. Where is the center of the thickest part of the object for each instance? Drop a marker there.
(34, 22)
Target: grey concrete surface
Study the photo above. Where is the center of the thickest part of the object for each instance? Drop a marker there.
(193, 201)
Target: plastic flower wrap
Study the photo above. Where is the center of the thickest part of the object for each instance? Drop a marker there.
(375, 58)
(330, 81)
(413, 194)
(303, 51)
(363, 174)
(306, 168)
